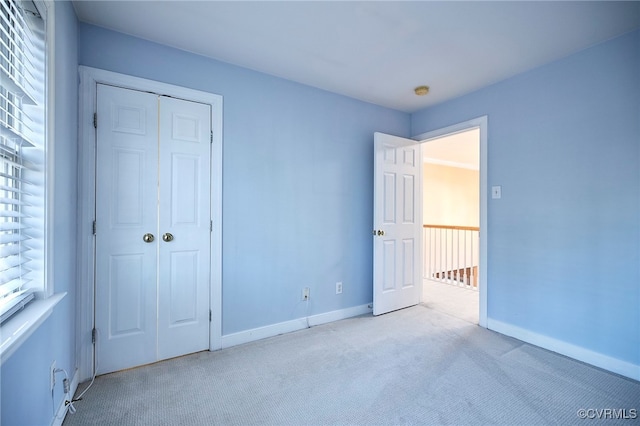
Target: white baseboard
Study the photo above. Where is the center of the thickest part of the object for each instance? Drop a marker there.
(62, 409)
(596, 359)
(293, 325)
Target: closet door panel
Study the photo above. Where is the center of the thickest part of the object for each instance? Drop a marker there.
(126, 210)
(184, 227)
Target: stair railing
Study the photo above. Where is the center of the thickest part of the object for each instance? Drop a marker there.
(451, 254)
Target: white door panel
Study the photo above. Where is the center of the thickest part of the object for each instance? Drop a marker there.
(153, 177)
(397, 223)
(125, 211)
(183, 316)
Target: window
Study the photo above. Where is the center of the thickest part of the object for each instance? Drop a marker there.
(22, 154)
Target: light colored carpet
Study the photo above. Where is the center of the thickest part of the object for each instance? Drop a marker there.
(457, 301)
(414, 366)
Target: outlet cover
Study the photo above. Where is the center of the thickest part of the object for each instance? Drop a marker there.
(339, 287)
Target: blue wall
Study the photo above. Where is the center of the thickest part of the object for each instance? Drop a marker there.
(564, 240)
(26, 398)
(297, 180)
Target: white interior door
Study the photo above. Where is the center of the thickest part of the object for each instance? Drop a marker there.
(397, 218)
(126, 210)
(184, 227)
(152, 179)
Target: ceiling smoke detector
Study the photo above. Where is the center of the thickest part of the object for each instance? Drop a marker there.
(421, 90)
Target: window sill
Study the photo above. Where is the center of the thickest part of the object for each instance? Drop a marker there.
(15, 331)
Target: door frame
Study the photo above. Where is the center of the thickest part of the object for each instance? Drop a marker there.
(476, 123)
(85, 302)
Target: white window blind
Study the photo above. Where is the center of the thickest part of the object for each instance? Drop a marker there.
(22, 143)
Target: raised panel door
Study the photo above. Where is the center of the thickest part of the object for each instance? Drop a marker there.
(126, 210)
(397, 224)
(152, 178)
(184, 206)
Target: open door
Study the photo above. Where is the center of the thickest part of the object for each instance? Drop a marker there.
(397, 221)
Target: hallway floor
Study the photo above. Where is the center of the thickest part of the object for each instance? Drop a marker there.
(458, 302)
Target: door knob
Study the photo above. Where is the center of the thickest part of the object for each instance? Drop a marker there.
(380, 232)
(148, 238)
(166, 237)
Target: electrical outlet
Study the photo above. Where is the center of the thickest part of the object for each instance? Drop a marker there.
(52, 376)
(339, 287)
(305, 293)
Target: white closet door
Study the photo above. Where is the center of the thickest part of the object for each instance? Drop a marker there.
(126, 210)
(153, 228)
(184, 227)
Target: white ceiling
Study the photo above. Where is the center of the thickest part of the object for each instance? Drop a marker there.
(375, 51)
(460, 150)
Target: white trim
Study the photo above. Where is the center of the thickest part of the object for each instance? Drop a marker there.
(49, 149)
(89, 78)
(579, 353)
(259, 333)
(481, 123)
(18, 328)
(215, 304)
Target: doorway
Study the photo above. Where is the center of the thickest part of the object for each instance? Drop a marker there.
(457, 275)
(451, 220)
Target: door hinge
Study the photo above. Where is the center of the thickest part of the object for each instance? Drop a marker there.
(94, 332)
(94, 227)
(95, 120)
(211, 139)
(209, 315)
(210, 226)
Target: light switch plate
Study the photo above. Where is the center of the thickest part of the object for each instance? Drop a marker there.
(496, 192)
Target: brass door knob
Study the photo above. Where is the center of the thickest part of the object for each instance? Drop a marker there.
(166, 237)
(148, 238)
(380, 232)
